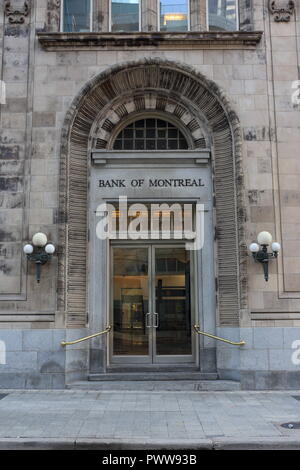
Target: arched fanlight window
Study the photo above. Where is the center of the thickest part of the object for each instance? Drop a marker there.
(150, 134)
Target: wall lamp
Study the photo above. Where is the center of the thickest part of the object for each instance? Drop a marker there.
(40, 251)
(260, 251)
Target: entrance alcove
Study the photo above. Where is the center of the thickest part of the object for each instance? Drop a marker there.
(199, 109)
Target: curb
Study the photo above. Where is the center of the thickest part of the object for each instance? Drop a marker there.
(120, 444)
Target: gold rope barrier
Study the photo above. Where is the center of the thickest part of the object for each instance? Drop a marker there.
(67, 343)
(240, 343)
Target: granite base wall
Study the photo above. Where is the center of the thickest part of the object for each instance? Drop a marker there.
(35, 359)
(270, 359)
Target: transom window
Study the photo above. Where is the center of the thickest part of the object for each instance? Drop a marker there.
(150, 134)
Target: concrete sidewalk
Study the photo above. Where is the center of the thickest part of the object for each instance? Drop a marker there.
(79, 419)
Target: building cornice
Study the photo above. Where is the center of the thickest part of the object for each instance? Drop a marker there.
(149, 40)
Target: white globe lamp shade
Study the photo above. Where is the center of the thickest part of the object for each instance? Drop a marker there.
(254, 247)
(50, 249)
(39, 239)
(28, 249)
(276, 247)
(264, 238)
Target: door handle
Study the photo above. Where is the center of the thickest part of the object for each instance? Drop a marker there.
(155, 316)
(148, 323)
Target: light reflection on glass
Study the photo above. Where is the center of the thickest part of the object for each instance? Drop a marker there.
(130, 301)
(77, 16)
(174, 15)
(222, 15)
(125, 15)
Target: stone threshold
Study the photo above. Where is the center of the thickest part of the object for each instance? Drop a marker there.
(162, 385)
(149, 40)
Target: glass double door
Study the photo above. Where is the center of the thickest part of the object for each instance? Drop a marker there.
(151, 304)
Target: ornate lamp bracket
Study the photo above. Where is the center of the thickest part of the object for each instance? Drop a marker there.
(16, 16)
(281, 14)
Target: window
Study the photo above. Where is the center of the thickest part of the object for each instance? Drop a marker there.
(150, 134)
(77, 16)
(222, 15)
(125, 15)
(174, 15)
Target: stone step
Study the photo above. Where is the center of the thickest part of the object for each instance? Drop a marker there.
(153, 376)
(157, 385)
(131, 368)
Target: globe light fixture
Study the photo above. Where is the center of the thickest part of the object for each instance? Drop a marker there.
(276, 247)
(260, 251)
(39, 239)
(254, 247)
(50, 249)
(40, 252)
(264, 238)
(28, 249)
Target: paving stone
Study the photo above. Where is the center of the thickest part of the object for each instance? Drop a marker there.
(72, 414)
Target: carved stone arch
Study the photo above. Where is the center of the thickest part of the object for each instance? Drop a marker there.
(98, 107)
(155, 102)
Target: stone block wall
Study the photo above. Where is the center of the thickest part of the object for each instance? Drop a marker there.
(270, 359)
(35, 359)
(40, 88)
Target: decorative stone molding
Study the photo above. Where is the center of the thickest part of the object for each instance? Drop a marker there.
(53, 15)
(118, 91)
(110, 121)
(16, 16)
(144, 40)
(282, 14)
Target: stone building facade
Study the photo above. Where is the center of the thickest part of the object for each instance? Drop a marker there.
(233, 95)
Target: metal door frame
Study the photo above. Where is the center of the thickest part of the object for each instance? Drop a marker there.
(152, 357)
(174, 359)
(114, 359)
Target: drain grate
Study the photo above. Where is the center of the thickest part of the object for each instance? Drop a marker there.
(297, 397)
(3, 395)
(291, 425)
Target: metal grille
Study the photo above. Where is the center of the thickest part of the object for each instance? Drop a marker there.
(150, 134)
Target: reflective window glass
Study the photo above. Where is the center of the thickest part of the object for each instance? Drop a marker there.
(173, 15)
(222, 15)
(76, 15)
(125, 15)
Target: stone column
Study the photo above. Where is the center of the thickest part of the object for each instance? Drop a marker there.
(53, 15)
(149, 15)
(101, 15)
(246, 15)
(198, 15)
(15, 44)
(285, 70)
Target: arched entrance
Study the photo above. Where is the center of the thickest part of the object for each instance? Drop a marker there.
(194, 104)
